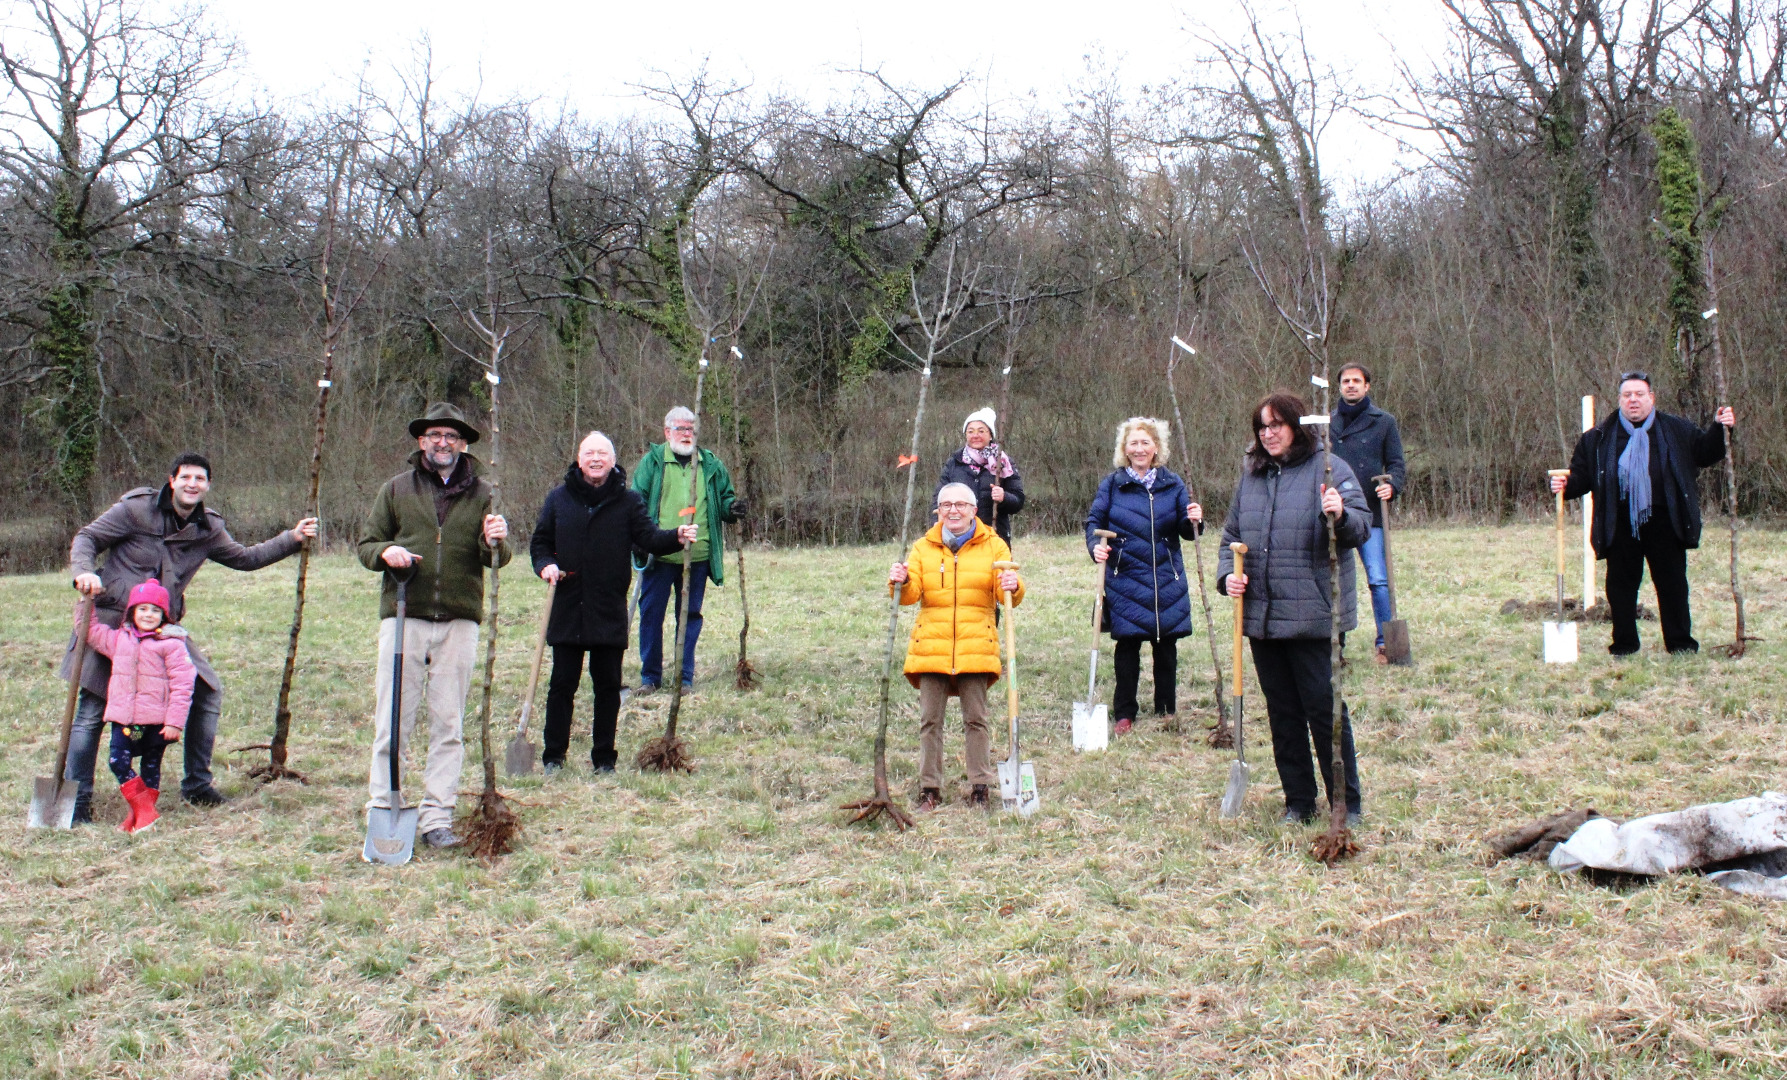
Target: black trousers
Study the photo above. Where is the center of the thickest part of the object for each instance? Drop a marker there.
(1295, 675)
(1626, 557)
(561, 693)
(1129, 676)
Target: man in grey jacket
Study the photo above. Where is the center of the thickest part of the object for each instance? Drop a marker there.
(1366, 438)
(164, 533)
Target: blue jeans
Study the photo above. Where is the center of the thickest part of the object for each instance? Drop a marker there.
(201, 734)
(1377, 575)
(658, 584)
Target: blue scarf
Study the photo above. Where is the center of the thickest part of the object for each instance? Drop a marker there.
(1634, 470)
(955, 542)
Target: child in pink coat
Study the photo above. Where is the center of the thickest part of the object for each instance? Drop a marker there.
(148, 697)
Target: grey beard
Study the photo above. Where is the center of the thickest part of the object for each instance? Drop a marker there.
(445, 470)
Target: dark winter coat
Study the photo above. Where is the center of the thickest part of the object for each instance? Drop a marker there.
(648, 481)
(1146, 593)
(142, 537)
(591, 533)
(1678, 450)
(1372, 445)
(957, 471)
(449, 581)
(1277, 513)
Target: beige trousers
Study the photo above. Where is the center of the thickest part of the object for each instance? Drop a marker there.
(437, 665)
(933, 695)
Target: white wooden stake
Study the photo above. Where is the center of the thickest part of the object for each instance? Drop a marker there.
(1588, 519)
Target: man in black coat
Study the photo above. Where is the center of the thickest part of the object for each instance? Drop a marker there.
(1367, 438)
(1641, 465)
(588, 529)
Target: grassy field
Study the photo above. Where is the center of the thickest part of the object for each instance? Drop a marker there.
(728, 924)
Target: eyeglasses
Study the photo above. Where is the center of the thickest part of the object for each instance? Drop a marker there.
(684, 429)
(1276, 423)
(442, 437)
(955, 506)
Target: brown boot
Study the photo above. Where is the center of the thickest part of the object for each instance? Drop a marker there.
(929, 799)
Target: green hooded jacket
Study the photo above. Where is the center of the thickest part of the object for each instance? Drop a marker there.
(449, 581)
(648, 481)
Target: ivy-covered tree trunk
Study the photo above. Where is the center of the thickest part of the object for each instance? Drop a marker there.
(67, 341)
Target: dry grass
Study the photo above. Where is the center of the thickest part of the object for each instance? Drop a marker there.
(729, 924)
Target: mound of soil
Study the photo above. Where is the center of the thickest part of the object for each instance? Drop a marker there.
(1543, 610)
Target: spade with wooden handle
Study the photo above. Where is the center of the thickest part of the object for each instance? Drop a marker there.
(1091, 724)
(1396, 630)
(1017, 778)
(1560, 636)
(52, 797)
(518, 759)
(1236, 793)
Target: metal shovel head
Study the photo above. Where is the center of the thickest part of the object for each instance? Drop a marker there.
(1560, 642)
(518, 759)
(1396, 643)
(390, 835)
(1091, 727)
(1017, 787)
(1236, 793)
(52, 803)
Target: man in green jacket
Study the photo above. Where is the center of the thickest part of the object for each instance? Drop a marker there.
(662, 479)
(432, 522)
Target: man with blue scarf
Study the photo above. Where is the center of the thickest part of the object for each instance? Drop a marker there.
(1641, 465)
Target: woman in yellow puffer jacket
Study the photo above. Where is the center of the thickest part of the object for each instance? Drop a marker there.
(954, 651)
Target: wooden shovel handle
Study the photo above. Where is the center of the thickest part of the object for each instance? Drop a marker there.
(533, 675)
(1240, 551)
(83, 616)
(1560, 519)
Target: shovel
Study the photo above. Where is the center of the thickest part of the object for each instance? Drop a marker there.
(52, 797)
(518, 759)
(1396, 630)
(1236, 793)
(1560, 636)
(1017, 778)
(1091, 726)
(391, 829)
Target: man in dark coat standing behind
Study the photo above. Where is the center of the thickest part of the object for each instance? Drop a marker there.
(588, 529)
(1367, 439)
(1641, 465)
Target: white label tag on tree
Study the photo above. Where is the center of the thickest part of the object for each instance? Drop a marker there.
(324, 383)
(1307, 420)
(492, 378)
(1317, 380)
(1709, 313)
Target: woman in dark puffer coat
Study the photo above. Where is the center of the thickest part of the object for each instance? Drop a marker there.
(1280, 511)
(984, 467)
(1146, 593)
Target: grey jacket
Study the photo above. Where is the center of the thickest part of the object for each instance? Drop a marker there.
(142, 539)
(1372, 445)
(1277, 513)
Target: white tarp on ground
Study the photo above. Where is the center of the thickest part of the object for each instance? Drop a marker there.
(1753, 829)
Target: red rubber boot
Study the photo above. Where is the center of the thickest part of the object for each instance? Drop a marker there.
(142, 799)
(147, 815)
(129, 791)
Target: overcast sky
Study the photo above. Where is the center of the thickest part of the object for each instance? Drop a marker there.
(588, 54)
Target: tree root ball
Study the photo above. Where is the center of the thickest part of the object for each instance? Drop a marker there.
(747, 677)
(268, 772)
(664, 755)
(1220, 736)
(491, 829)
(1334, 845)
(871, 808)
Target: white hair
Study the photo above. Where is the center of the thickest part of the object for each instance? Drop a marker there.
(596, 435)
(972, 497)
(681, 412)
(1155, 429)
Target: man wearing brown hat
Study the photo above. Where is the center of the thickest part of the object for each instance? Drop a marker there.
(432, 524)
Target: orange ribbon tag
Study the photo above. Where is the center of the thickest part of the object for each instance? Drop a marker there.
(905, 460)
(687, 511)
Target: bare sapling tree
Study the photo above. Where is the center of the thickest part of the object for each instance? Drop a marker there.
(1284, 105)
(341, 286)
(1741, 638)
(491, 827)
(1221, 735)
(744, 674)
(933, 327)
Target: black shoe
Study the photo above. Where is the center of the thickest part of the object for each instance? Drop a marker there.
(605, 767)
(1354, 818)
(552, 768)
(206, 796)
(440, 838)
(978, 797)
(83, 815)
(1297, 817)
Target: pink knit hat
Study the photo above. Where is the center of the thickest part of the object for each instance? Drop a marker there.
(151, 592)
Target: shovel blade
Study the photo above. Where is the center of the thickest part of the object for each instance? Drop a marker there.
(1236, 793)
(1091, 727)
(1560, 642)
(518, 759)
(390, 835)
(1396, 643)
(52, 803)
(1017, 787)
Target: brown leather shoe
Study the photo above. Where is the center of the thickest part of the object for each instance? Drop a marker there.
(978, 797)
(929, 799)
(1380, 657)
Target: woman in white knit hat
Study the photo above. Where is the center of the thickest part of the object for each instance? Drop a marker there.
(984, 467)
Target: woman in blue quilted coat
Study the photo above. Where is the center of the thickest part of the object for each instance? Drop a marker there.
(1146, 593)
